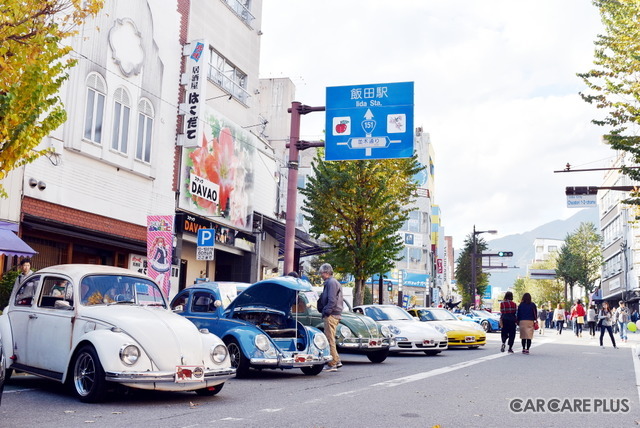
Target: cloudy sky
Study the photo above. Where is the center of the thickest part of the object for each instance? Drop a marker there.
(495, 87)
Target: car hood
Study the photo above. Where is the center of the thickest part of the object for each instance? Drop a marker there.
(414, 329)
(278, 293)
(458, 325)
(360, 324)
(147, 324)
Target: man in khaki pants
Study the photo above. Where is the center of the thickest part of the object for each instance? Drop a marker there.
(330, 305)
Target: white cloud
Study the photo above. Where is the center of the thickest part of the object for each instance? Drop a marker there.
(495, 83)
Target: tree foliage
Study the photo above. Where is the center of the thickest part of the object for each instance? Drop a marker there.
(358, 207)
(463, 271)
(33, 66)
(580, 258)
(613, 83)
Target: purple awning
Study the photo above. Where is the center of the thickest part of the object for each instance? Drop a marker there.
(12, 245)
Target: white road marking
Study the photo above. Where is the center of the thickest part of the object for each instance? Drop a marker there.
(636, 366)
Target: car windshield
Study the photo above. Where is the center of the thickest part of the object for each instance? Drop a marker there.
(390, 313)
(312, 298)
(483, 314)
(115, 289)
(436, 315)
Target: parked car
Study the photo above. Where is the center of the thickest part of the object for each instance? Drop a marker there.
(3, 368)
(93, 326)
(257, 325)
(410, 335)
(460, 333)
(489, 321)
(356, 333)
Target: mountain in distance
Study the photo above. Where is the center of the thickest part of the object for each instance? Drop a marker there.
(523, 250)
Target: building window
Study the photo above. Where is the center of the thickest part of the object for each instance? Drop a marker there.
(242, 9)
(121, 111)
(228, 77)
(94, 109)
(145, 128)
(413, 222)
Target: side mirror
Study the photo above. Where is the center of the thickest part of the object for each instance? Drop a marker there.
(178, 308)
(217, 303)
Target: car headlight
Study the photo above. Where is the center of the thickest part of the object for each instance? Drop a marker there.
(386, 332)
(395, 330)
(129, 354)
(345, 331)
(218, 353)
(262, 342)
(320, 340)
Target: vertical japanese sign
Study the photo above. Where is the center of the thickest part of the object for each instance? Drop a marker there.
(194, 80)
(160, 249)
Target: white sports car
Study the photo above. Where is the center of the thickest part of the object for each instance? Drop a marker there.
(410, 334)
(90, 326)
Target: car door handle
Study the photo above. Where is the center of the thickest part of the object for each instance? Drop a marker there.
(33, 316)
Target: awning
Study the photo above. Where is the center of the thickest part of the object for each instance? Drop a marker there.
(12, 245)
(303, 242)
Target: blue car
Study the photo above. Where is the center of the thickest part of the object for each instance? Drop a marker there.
(489, 321)
(256, 325)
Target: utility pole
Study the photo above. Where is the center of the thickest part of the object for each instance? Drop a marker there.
(474, 256)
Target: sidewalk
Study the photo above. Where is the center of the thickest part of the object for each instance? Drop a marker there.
(569, 337)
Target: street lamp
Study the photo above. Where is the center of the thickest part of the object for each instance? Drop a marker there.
(474, 255)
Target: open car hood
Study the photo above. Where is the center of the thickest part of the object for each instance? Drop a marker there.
(276, 293)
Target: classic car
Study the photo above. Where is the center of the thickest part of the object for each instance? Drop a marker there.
(460, 333)
(356, 333)
(3, 367)
(91, 327)
(410, 335)
(489, 321)
(257, 325)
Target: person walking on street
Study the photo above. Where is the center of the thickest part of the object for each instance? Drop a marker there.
(25, 270)
(605, 317)
(542, 317)
(622, 317)
(577, 315)
(526, 314)
(330, 305)
(508, 310)
(592, 318)
(558, 316)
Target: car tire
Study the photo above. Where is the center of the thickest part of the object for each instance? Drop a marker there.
(87, 378)
(378, 356)
(432, 352)
(237, 357)
(486, 326)
(7, 374)
(313, 370)
(210, 391)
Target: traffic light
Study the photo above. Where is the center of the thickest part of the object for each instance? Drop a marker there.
(505, 253)
(389, 287)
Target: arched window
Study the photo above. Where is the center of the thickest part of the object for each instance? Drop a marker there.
(145, 128)
(94, 109)
(121, 110)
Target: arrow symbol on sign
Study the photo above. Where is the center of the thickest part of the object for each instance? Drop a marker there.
(368, 115)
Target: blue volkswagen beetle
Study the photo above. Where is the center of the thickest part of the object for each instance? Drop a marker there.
(256, 325)
(489, 321)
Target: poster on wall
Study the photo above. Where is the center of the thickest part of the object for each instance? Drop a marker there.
(216, 179)
(159, 250)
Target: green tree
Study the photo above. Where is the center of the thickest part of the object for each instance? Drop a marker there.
(613, 82)
(463, 271)
(520, 286)
(580, 258)
(358, 207)
(546, 290)
(568, 267)
(33, 66)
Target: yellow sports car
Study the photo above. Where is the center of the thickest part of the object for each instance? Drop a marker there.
(460, 333)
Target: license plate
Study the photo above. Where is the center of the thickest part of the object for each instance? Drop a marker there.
(189, 374)
(373, 342)
(428, 342)
(301, 358)
(470, 339)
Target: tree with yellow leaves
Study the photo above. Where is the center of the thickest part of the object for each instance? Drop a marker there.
(33, 66)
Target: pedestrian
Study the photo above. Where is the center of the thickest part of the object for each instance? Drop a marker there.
(605, 318)
(330, 305)
(293, 274)
(558, 316)
(592, 318)
(549, 322)
(508, 310)
(25, 270)
(542, 317)
(635, 316)
(622, 318)
(526, 315)
(577, 315)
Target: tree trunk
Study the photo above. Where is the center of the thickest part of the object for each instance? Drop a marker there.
(358, 294)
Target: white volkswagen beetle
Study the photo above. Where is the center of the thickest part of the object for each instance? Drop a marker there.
(88, 326)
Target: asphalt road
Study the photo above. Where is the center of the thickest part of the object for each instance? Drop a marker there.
(564, 382)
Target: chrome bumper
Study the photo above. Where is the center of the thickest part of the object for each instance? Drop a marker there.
(367, 343)
(290, 362)
(164, 377)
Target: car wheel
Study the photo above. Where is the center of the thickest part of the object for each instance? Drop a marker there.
(238, 360)
(210, 391)
(432, 352)
(88, 381)
(378, 356)
(313, 370)
(7, 374)
(486, 326)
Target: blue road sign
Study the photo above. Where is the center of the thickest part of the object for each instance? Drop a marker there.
(206, 237)
(369, 121)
